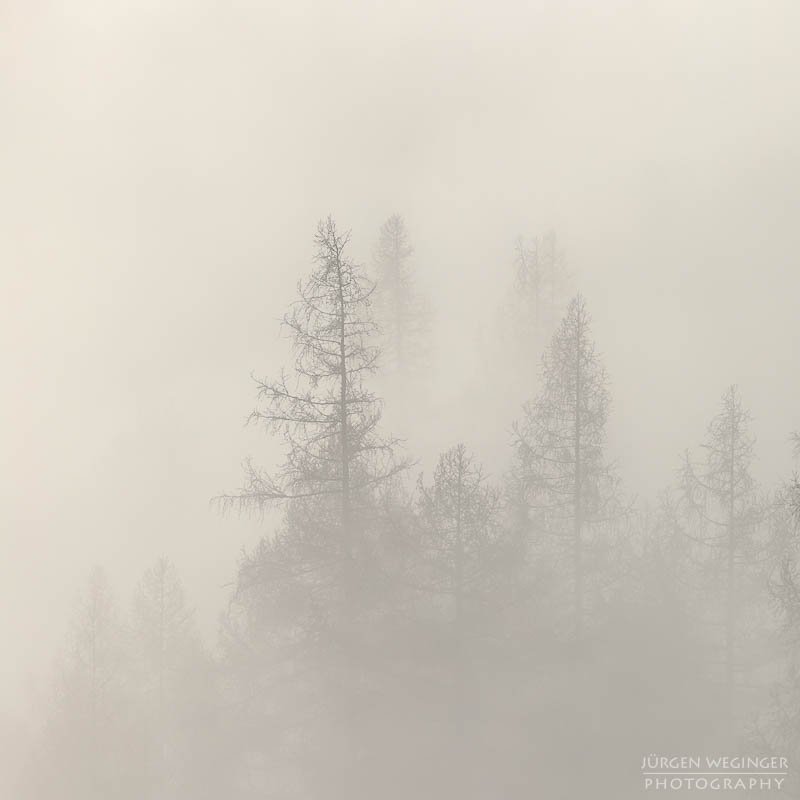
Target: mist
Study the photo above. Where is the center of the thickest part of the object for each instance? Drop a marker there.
(165, 166)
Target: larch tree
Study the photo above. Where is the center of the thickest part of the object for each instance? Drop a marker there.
(173, 675)
(777, 729)
(780, 725)
(306, 599)
(723, 500)
(401, 310)
(539, 288)
(445, 642)
(83, 750)
(533, 302)
(528, 289)
(667, 557)
(561, 469)
(464, 561)
(555, 274)
(461, 536)
(325, 413)
(162, 628)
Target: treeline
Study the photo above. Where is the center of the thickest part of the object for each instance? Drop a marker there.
(135, 703)
(446, 635)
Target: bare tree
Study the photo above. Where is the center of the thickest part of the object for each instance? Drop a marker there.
(401, 310)
(461, 534)
(722, 496)
(445, 645)
(539, 288)
(162, 627)
(777, 728)
(83, 746)
(170, 665)
(303, 616)
(560, 463)
(324, 412)
(668, 555)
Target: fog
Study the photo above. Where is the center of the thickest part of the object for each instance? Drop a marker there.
(165, 165)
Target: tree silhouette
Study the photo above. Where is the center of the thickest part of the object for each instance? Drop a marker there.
(722, 497)
(401, 310)
(560, 464)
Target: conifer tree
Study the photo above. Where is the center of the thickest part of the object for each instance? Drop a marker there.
(303, 622)
(560, 462)
(727, 511)
(401, 310)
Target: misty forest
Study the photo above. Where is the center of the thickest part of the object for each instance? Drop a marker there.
(493, 492)
(450, 632)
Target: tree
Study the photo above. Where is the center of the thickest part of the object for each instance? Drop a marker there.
(722, 496)
(163, 629)
(667, 554)
(776, 730)
(174, 682)
(533, 303)
(326, 415)
(461, 536)
(462, 550)
(83, 750)
(538, 289)
(441, 645)
(304, 610)
(560, 465)
(401, 310)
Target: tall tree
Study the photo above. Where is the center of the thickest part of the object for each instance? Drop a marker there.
(722, 496)
(401, 310)
(533, 303)
(83, 751)
(461, 535)
(307, 597)
(554, 267)
(560, 464)
(464, 562)
(162, 627)
(667, 557)
(776, 730)
(174, 681)
(325, 413)
(539, 288)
